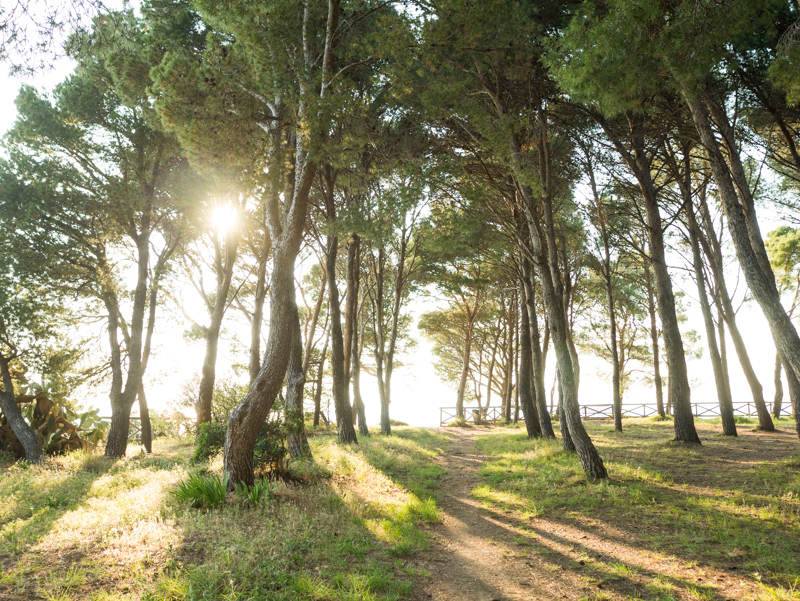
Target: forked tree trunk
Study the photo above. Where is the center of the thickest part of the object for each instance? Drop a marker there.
(246, 419)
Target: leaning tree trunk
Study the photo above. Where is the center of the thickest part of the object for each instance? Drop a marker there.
(525, 372)
(341, 392)
(462, 383)
(651, 308)
(8, 403)
(748, 244)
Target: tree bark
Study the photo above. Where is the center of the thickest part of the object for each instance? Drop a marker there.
(258, 310)
(318, 387)
(651, 308)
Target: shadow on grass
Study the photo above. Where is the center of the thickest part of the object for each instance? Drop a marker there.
(748, 526)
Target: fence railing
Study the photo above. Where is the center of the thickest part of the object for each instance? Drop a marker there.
(448, 415)
(134, 429)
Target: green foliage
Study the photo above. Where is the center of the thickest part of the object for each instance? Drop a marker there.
(209, 441)
(202, 491)
(256, 495)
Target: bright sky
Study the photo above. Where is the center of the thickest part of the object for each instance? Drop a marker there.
(417, 391)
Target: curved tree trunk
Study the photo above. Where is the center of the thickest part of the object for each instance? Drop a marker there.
(8, 403)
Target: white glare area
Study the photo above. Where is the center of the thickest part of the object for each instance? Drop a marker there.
(224, 218)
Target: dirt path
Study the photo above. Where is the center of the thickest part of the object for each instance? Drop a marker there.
(470, 558)
(478, 554)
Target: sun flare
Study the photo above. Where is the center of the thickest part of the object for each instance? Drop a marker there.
(224, 218)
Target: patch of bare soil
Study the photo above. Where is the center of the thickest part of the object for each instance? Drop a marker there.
(479, 554)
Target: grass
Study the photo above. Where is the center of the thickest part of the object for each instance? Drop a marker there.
(82, 527)
(713, 506)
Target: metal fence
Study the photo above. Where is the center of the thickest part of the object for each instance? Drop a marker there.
(448, 415)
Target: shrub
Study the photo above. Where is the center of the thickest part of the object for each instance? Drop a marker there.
(203, 491)
(270, 451)
(210, 439)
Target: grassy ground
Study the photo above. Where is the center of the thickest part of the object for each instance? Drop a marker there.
(83, 527)
(728, 506)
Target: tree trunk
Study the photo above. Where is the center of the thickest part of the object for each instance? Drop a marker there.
(357, 400)
(122, 400)
(525, 372)
(748, 244)
(318, 387)
(462, 383)
(651, 308)
(612, 320)
(224, 268)
(539, 394)
(258, 311)
(566, 439)
(776, 407)
(246, 419)
(341, 391)
(678, 389)
(144, 421)
(549, 271)
(296, 439)
(722, 384)
(714, 253)
(8, 403)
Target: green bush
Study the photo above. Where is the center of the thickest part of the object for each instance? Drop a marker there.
(203, 491)
(270, 451)
(210, 439)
